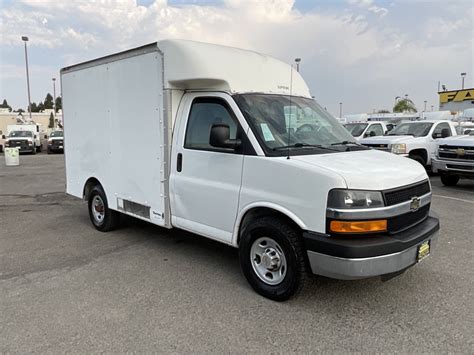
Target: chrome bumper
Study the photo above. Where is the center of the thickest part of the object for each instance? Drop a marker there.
(454, 165)
(361, 268)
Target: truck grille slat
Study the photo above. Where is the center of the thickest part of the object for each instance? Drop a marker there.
(399, 195)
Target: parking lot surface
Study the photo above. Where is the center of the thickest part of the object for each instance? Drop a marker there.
(66, 287)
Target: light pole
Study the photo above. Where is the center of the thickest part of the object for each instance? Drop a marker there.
(340, 109)
(298, 61)
(425, 104)
(462, 78)
(25, 39)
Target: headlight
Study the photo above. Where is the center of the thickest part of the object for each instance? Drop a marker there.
(345, 199)
(399, 148)
(50, 141)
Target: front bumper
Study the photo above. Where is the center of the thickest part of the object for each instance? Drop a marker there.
(55, 148)
(364, 257)
(456, 167)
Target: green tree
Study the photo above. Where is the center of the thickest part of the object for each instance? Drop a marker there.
(51, 120)
(404, 105)
(6, 105)
(34, 107)
(40, 107)
(59, 103)
(48, 101)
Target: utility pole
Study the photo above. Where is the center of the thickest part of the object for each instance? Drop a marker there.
(340, 109)
(25, 39)
(463, 75)
(425, 105)
(54, 102)
(298, 61)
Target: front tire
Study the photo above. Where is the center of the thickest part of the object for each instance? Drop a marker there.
(102, 217)
(272, 258)
(419, 159)
(449, 180)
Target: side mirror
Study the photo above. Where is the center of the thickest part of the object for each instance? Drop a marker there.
(467, 131)
(436, 135)
(372, 134)
(220, 137)
(445, 133)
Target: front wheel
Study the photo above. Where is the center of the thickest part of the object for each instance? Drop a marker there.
(419, 159)
(449, 180)
(102, 217)
(272, 258)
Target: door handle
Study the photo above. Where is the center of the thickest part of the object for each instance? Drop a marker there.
(179, 162)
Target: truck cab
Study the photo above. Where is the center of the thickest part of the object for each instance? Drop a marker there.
(28, 138)
(413, 139)
(56, 142)
(360, 130)
(236, 150)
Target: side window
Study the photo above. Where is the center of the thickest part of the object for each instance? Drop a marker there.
(437, 133)
(204, 113)
(377, 129)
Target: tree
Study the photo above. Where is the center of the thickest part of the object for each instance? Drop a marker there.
(383, 111)
(20, 110)
(59, 103)
(34, 107)
(48, 101)
(6, 105)
(404, 105)
(51, 120)
(40, 107)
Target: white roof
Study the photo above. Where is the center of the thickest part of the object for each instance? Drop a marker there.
(197, 65)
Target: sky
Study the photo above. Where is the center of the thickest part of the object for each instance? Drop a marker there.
(362, 53)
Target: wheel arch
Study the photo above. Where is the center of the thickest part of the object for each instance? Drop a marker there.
(257, 210)
(90, 183)
(422, 152)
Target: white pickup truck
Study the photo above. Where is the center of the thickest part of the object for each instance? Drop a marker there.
(455, 159)
(236, 150)
(360, 130)
(28, 138)
(414, 139)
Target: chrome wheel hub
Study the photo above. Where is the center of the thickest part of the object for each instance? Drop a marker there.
(268, 260)
(98, 209)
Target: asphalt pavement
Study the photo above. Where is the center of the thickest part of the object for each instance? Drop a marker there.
(65, 287)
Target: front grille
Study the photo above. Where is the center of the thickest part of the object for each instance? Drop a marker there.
(18, 143)
(403, 194)
(456, 152)
(407, 220)
(378, 146)
(57, 143)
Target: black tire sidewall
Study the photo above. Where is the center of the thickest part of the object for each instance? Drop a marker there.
(290, 283)
(449, 180)
(97, 191)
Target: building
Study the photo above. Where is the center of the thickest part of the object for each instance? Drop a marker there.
(9, 118)
(456, 100)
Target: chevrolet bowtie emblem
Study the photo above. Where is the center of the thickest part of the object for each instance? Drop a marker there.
(460, 151)
(415, 203)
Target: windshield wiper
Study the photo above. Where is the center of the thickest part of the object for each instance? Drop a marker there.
(304, 145)
(345, 143)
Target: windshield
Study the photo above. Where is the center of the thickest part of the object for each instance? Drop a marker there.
(56, 134)
(355, 129)
(21, 134)
(302, 126)
(416, 129)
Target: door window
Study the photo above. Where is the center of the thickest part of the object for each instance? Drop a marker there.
(376, 128)
(204, 113)
(439, 128)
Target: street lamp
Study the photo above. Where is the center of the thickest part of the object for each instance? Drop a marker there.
(297, 61)
(340, 109)
(425, 104)
(54, 101)
(25, 39)
(462, 78)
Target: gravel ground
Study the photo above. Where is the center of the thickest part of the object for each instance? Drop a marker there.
(66, 287)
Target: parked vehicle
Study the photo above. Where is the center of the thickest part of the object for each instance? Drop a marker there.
(360, 130)
(216, 143)
(414, 139)
(455, 159)
(27, 137)
(56, 142)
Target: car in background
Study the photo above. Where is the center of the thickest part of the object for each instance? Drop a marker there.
(56, 142)
(413, 139)
(455, 159)
(360, 130)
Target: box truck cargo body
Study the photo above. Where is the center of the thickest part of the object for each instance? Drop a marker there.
(229, 144)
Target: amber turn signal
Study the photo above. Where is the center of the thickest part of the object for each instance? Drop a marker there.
(358, 226)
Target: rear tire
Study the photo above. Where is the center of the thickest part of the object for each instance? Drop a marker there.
(102, 217)
(449, 180)
(272, 258)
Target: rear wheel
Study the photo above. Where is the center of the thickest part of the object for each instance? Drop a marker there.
(102, 217)
(449, 180)
(272, 258)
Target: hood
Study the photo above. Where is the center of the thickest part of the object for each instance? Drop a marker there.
(462, 141)
(56, 138)
(18, 138)
(386, 139)
(369, 169)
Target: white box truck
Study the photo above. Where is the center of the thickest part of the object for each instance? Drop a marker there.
(228, 144)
